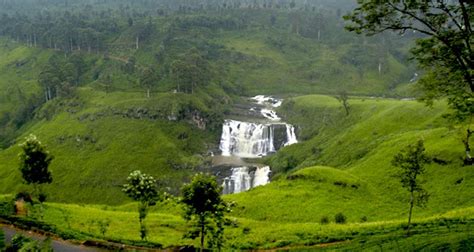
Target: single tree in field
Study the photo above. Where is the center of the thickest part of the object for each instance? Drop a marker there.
(444, 50)
(204, 206)
(142, 188)
(343, 98)
(34, 163)
(411, 161)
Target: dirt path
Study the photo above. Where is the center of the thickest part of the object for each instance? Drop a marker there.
(58, 245)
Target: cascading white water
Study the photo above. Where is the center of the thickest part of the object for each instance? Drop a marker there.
(242, 180)
(261, 176)
(290, 134)
(244, 139)
(252, 140)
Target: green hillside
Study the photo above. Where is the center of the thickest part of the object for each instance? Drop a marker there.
(289, 210)
(96, 145)
(99, 124)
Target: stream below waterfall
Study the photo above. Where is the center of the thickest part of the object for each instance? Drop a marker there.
(261, 133)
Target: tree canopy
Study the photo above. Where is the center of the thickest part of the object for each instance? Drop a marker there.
(142, 188)
(443, 49)
(411, 161)
(203, 202)
(34, 161)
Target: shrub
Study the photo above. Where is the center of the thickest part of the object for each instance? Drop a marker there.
(103, 226)
(7, 208)
(26, 196)
(2, 240)
(340, 218)
(324, 220)
(363, 219)
(18, 241)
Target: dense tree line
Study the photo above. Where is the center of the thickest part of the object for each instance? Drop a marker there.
(61, 31)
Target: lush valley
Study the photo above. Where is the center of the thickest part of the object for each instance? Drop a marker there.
(113, 87)
(364, 189)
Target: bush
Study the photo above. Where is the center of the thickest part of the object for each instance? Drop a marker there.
(7, 208)
(2, 240)
(340, 218)
(23, 243)
(26, 196)
(363, 219)
(18, 241)
(324, 220)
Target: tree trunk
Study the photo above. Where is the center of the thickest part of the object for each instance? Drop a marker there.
(147, 93)
(412, 201)
(136, 43)
(49, 93)
(202, 235)
(468, 159)
(346, 107)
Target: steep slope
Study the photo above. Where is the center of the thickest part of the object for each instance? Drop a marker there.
(363, 182)
(290, 210)
(98, 139)
(20, 94)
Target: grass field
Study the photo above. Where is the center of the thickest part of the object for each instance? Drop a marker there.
(336, 170)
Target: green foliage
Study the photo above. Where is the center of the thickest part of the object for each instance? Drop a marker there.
(25, 244)
(190, 71)
(18, 241)
(2, 240)
(34, 162)
(343, 98)
(445, 53)
(324, 220)
(340, 218)
(149, 79)
(142, 188)
(204, 206)
(7, 208)
(411, 161)
(103, 226)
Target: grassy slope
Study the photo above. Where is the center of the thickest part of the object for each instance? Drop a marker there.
(287, 212)
(94, 154)
(362, 147)
(301, 65)
(167, 227)
(18, 79)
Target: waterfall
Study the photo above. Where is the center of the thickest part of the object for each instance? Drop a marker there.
(253, 140)
(244, 139)
(261, 176)
(242, 179)
(290, 134)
